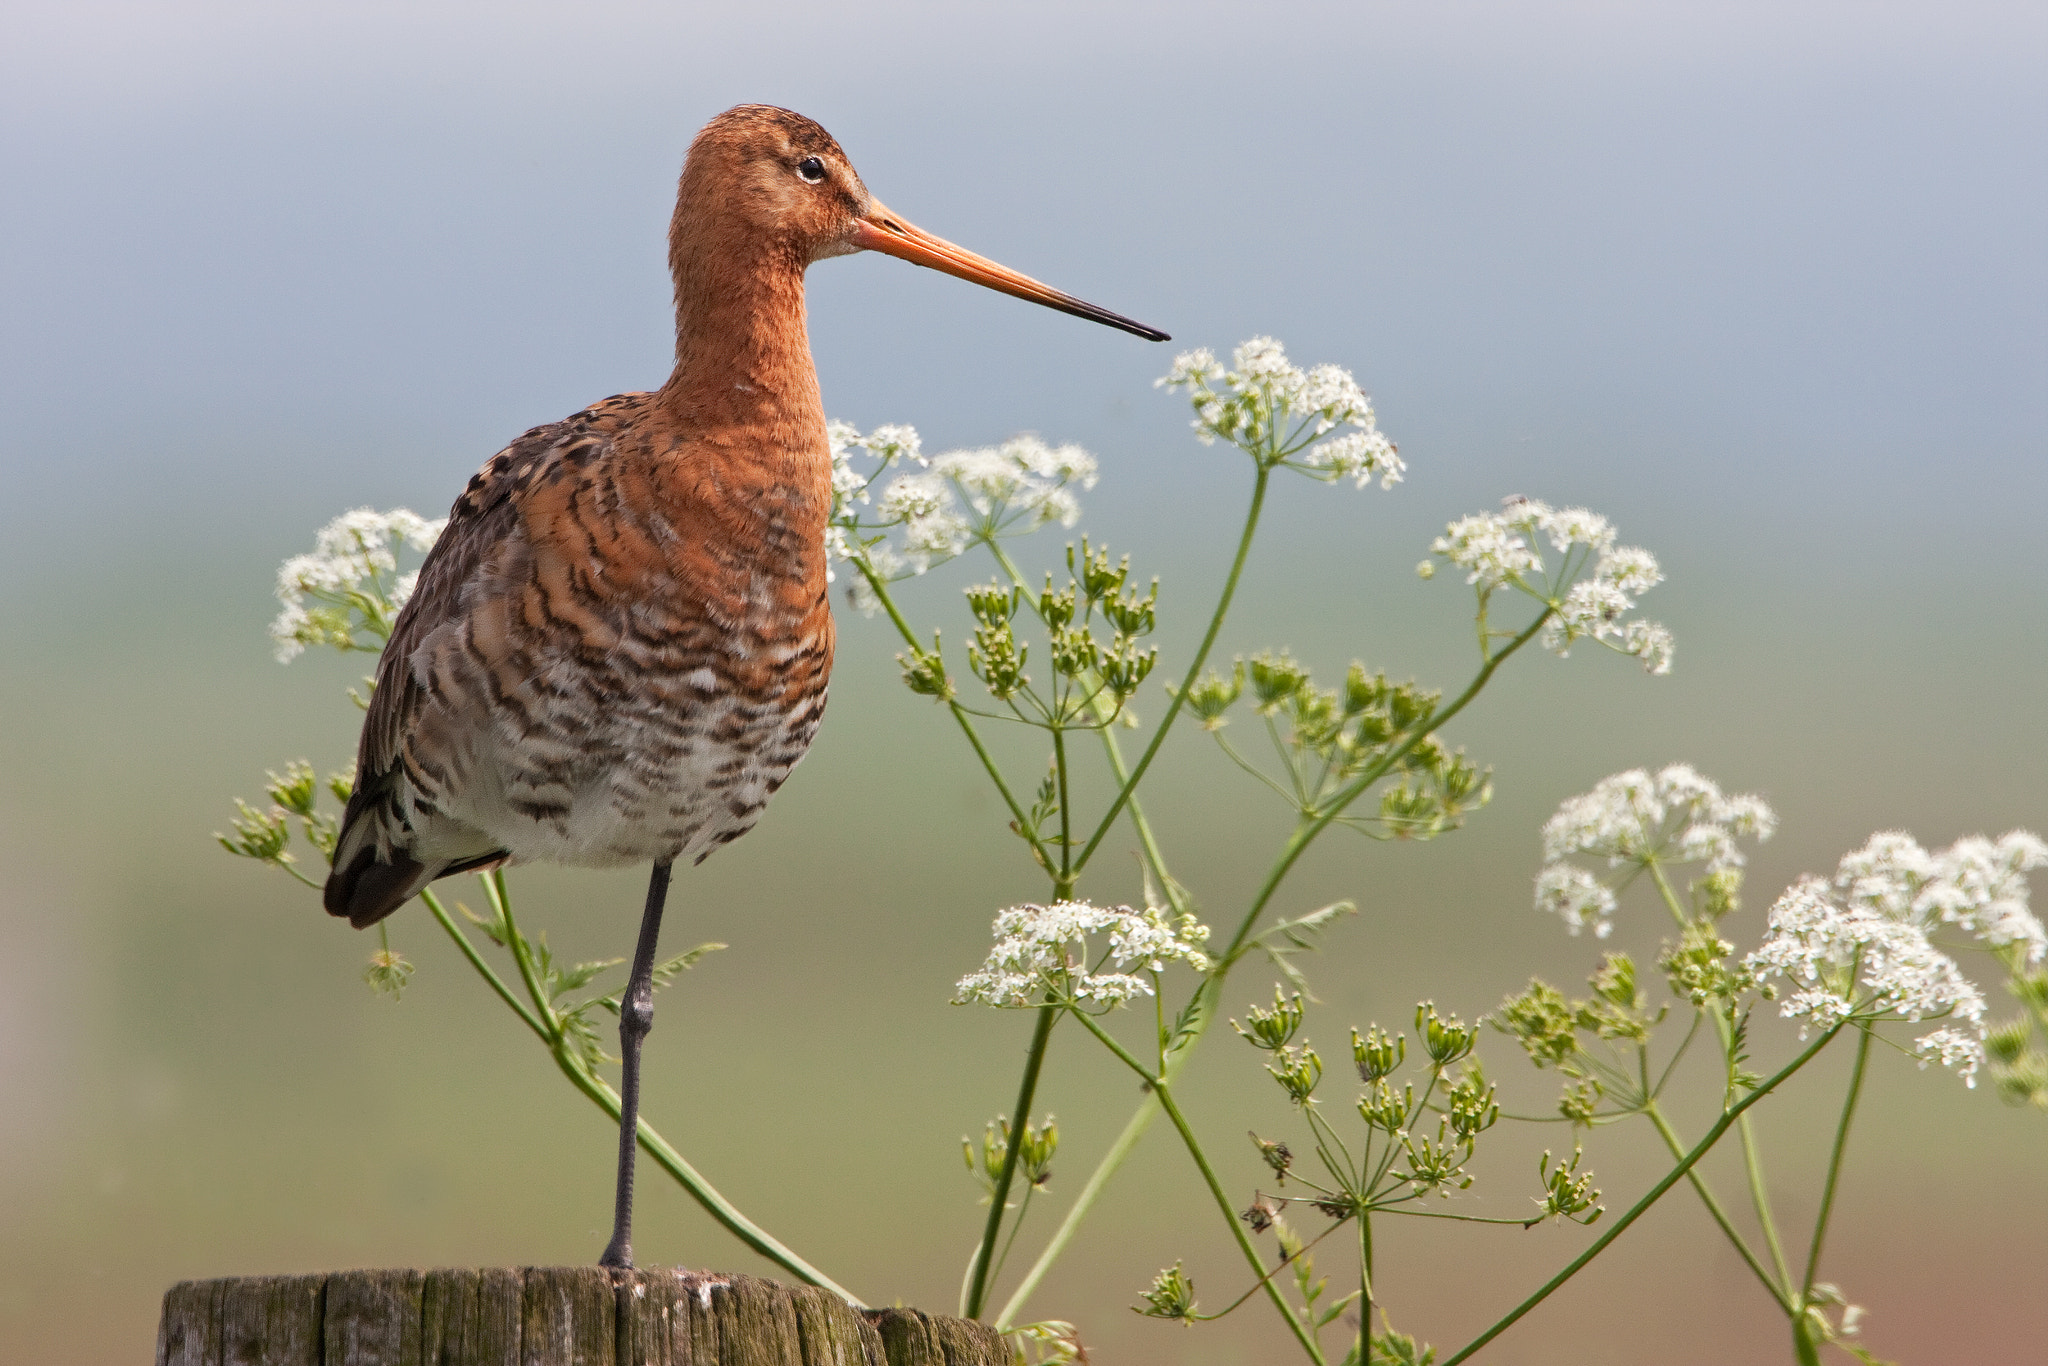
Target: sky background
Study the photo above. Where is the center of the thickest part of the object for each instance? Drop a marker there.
(1764, 283)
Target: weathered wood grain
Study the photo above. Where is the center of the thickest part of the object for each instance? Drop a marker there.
(272, 1321)
(373, 1318)
(548, 1316)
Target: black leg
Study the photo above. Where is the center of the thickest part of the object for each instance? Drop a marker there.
(636, 1017)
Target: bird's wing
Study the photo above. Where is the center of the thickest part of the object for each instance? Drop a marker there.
(481, 526)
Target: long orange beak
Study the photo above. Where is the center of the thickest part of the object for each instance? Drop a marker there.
(886, 232)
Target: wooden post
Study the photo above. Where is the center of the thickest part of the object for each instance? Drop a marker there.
(548, 1316)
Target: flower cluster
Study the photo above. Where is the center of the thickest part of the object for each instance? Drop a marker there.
(933, 513)
(1500, 549)
(1634, 819)
(1847, 960)
(1976, 884)
(853, 487)
(1044, 951)
(1861, 945)
(1283, 415)
(348, 591)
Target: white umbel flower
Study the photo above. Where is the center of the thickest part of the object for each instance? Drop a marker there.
(1283, 415)
(1976, 884)
(1043, 951)
(1500, 550)
(936, 510)
(1844, 958)
(350, 579)
(1675, 816)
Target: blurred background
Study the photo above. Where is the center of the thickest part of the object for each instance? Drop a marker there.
(1764, 283)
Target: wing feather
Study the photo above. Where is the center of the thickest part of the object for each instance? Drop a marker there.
(482, 525)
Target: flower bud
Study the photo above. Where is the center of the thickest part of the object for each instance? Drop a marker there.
(1272, 1029)
(1275, 678)
(1298, 1070)
(1171, 1296)
(1378, 1054)
(1446, 1039)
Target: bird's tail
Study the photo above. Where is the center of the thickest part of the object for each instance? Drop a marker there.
(365, 886)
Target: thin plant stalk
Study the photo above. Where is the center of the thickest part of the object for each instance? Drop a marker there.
(880, 588)
(1164, 1092)
(1130, 785)
(542, 1021)
(1752, 1156)
(1801, 1331)
(1651, 1197)
(1699, 1184)
(1027, 1088)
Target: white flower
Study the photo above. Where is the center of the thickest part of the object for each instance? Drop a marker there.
(1498, 549)
(932, 527)
(1262, 360)
(350, 582)
(1329, 392)
(1632, 819)
(958, 498)
(1960, 1052)
(1020, 485)
(1568, 527)
(1649, 642)
(1189, 367)
(1489, 546)
(1067, 464)
(1849, 958)
(1629, 568)
(1593, 608)
(1976, 884)
(1041, 950)
(1280, 413)
(1575, 894)
(1359, 454)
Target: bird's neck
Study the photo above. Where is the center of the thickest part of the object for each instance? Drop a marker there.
(743, 356)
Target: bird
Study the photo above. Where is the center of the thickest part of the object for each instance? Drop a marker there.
(620, 645)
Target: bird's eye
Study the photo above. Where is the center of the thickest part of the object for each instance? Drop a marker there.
(811, 169)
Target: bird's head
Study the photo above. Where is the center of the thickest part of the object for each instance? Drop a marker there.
(784, 180)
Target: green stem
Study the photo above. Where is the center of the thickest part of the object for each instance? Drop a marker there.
(1027, 1089)
(1752, 1156)
(1194, 1147)
(1130, 785)
(1827, 1198)
(1098, 1181)
(501, 902)
(1707, 1198)
(476, 960)
(1365, 1301)
(880, 588)
(702, 1191)
(1059, 764)
(1759, 1197)
(1655, 1193)
(606, 1099)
